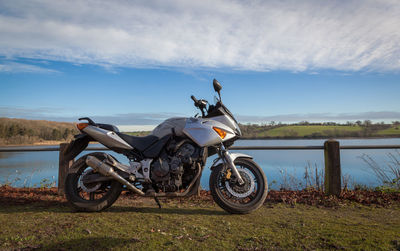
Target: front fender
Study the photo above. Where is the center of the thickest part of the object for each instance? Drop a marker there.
(234, 156)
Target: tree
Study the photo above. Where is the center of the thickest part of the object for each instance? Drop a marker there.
(65, 134)
(30, 132)
(56, 134)
(367, 123)
(12, 130)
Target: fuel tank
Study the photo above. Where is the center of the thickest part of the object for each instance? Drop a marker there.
(201, 131)
(168, 126)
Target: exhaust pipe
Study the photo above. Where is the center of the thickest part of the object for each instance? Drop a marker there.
(108, 170)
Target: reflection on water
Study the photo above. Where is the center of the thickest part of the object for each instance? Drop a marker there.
(30, 168)
(6, 155)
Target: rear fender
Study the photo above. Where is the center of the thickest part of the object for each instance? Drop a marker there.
(76, 146)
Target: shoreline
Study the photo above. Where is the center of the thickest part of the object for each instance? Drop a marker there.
(296, 138)
(55, 143)
(49, 143)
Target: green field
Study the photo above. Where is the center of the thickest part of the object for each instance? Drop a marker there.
(319, 131)
(302, 131)
(140, 134)
(199, 226)
(394, 130)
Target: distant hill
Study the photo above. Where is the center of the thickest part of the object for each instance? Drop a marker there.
(321, 130)
(25, 132)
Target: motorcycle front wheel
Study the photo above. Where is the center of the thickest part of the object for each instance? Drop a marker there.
(235, 198)
(91, 197)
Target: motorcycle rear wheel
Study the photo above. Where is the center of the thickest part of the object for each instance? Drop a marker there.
(90, 197)
(234, 198)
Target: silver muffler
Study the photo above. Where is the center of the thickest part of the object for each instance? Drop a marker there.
(108, 170)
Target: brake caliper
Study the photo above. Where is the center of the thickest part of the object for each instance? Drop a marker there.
(228, 174)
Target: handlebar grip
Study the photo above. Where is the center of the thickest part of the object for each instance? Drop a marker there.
(194, 99)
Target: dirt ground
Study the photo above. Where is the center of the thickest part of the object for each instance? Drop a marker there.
(49, 196)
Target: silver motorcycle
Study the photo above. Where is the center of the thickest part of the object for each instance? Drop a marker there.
(167, 163)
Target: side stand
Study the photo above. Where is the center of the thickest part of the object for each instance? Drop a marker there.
(158, 202)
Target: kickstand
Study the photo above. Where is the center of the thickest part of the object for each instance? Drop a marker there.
(158, 202)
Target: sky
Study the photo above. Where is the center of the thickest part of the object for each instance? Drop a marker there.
(136, 63)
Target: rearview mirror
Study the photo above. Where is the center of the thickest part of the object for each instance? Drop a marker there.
(217, 85)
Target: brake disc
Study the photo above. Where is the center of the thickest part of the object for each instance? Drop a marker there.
(246, 189)
(89, 188)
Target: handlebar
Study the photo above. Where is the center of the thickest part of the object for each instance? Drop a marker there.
(196, 102)
(201, 104)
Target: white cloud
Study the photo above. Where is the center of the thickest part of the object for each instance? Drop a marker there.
(248, 35)
(14, 67)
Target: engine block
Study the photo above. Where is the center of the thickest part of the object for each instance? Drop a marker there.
(172, 172)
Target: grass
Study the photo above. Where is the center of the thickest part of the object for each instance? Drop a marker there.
(301, 131)
(139, 133)
(321, 131)
(394, 130)
(130, 225)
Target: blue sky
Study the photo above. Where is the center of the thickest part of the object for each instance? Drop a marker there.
(134, 63)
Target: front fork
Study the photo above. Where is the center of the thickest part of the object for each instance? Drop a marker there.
(228, 160)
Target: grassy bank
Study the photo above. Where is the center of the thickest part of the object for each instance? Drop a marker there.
(319, 131)
(34, 132)
(197, 224)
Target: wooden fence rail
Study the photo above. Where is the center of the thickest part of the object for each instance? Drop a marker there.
(331, 156)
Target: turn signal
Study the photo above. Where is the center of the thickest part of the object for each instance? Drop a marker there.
(82, 126)
(220, 132)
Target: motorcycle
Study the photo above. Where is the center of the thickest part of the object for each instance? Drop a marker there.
(167, 163)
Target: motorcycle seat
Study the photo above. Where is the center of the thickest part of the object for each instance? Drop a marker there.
(140, 143)
(108, 127)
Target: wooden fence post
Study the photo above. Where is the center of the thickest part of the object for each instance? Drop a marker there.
(63, 166)
(333, 175)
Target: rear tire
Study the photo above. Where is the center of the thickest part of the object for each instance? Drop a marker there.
(233, 198)
(107, 193)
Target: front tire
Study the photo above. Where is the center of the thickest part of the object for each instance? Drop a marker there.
(90, 197)
(234, 198)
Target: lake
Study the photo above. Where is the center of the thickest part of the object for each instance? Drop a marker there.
(33, 169)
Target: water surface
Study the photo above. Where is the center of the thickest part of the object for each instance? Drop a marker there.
(31, 169)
